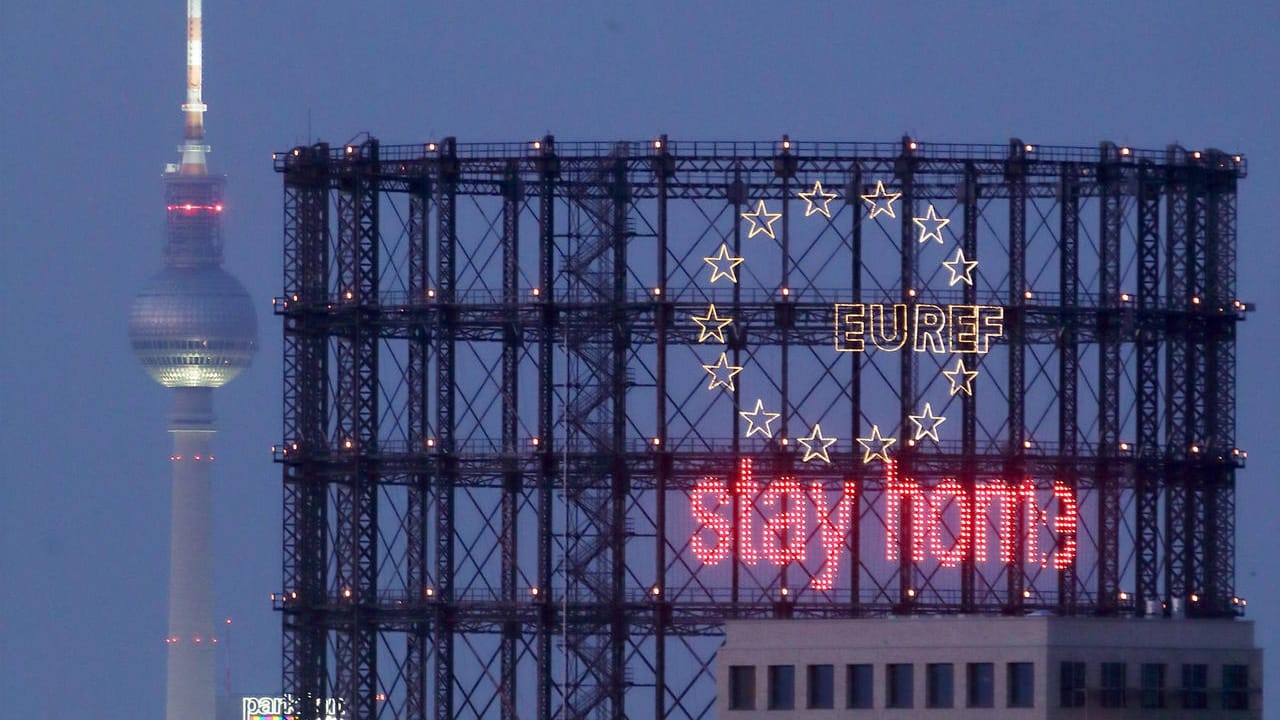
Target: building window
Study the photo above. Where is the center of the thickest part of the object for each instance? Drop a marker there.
(782, 687)
(939, 685)
(1152, 686)
(742, 687)
(1071, 685)
(860, 692)
(1235, 687)
(1022, 688)
(899, 686)
(1113, 683)
(821, 686)
(1195, 681)
(981, 684)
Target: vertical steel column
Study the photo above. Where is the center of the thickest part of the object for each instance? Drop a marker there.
(306, 412)
(853, 190)
(737, 197)
(1221, 387)
(446, 338)
(548, 173)
(904, 169)
(512, 477)
(1069, 359)
(1111, 222)
(355, 496)
(620, 491)
(784, 167)
(1200, 473)
(1147, 447)
(1015, 323)
(1177, 541)
(417, 560)
(664, 312)
(968, 402)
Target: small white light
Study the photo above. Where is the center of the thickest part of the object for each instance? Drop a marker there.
(537, 145)
(1124, 151)
(786, 292)
(657, 442)
(536, 292)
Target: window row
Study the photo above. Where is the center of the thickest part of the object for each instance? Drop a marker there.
(899, 686)
(1153, 686)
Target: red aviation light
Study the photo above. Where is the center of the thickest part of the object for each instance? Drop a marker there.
(194, 209)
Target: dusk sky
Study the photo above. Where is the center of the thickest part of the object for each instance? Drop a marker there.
(89, 115)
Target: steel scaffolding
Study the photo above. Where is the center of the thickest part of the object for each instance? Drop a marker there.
(495, 414)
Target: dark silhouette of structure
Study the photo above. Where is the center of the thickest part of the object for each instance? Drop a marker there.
(495, 422)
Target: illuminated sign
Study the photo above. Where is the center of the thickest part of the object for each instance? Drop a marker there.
(919, 327)
(286, 708)
(727, 515)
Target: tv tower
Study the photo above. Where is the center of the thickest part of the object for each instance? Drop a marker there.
(193, 329)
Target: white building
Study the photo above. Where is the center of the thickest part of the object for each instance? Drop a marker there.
(986, 667)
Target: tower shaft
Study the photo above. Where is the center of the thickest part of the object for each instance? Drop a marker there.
(190, 690)
(193, 147)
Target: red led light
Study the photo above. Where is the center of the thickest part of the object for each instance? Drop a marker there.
(194, 209)
(946, 521)
(947, 492)
(785, 534)
(834, 535)
(712, 522)
(1065, 525)
(745, 491)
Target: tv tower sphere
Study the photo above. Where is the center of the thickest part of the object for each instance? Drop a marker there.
(193, 327)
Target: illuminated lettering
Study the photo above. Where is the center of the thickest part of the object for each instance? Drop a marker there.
(929, 325)
(949, 492)
(947, 521)
(906, 505)
(786, 533)
(834, 535)
(884, 338)
(1064, 525)
(938, 329)
(745, 491)
(711, 522)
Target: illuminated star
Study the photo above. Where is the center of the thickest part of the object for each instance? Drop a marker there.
(816, 438)
(931, 225)
(722, 373)
(961, 378)
(881, 201)
(712, 325)
(761, 220)
(754, 425)
(718, 270)
(818, 205)
(875, 446)
(926, 423)
(960, 268)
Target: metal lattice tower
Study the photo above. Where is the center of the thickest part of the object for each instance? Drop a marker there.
(495, 417)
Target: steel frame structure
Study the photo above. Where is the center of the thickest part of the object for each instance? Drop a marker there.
(493, 413)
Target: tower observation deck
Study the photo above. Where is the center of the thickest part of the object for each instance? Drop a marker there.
(193, 329)
(556, 412)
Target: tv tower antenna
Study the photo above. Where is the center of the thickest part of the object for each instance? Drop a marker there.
(193, 329)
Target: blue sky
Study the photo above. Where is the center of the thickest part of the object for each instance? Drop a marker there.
(89, 113)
